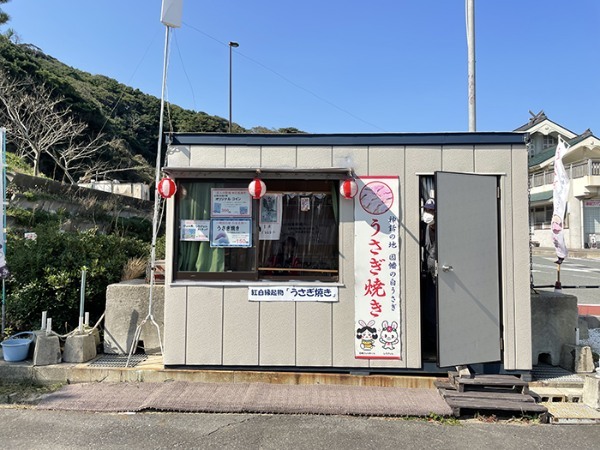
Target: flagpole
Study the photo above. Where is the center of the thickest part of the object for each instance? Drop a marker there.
(3, 234)
(470, 12)
(557, 285)
(157, 198)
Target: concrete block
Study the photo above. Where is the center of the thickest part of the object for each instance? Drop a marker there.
(126, 307)
(592, 321)
(47, 349)
(577, 358)
(591, 391)
(583, 328)
(553, 322)
(94, 332)
(79, 348)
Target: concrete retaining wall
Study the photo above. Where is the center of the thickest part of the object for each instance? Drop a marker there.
(126, 307)
(554, 319)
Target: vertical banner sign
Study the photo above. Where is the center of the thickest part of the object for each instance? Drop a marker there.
(559, 199)
(377, 269)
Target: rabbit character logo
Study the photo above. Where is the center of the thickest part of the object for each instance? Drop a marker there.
(389, 335)
(367, 334)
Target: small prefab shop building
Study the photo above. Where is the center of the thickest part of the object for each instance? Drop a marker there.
(326, 270)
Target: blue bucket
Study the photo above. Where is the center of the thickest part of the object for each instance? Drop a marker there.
(16, 349)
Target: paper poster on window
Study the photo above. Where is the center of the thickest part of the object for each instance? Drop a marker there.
(231, 233)
(230, 203)
(270, 217)
(304, 204)
(377, 269)
(194, 230)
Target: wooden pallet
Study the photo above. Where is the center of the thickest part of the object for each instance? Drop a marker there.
(490, 393)
(508, 383)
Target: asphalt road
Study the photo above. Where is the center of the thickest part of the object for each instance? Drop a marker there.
(573, 272)
(28, 428)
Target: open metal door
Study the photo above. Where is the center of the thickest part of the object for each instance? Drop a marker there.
(468, 297)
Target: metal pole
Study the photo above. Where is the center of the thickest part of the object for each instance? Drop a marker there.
(470, 6)
(156, 208)
(3, 175)
(231, 46)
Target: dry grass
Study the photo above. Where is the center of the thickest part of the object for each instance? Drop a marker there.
(134, 268)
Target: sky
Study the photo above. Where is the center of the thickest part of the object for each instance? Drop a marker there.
(333, 66)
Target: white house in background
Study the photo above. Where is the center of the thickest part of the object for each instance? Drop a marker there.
(136, 190)
(582, 162)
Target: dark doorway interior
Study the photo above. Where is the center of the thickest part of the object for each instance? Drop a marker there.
(428, 279)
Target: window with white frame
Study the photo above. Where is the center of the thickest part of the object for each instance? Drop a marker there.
(549, 141)
(289, 234)
(541, 217)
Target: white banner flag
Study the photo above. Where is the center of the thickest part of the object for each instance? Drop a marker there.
(171, 12)
(559, 198)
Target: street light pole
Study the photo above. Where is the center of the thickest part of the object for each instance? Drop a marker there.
(232, 45)
(470, 5)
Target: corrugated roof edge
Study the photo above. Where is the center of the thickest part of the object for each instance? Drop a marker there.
(497, 138)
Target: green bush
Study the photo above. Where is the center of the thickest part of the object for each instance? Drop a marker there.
(26, 218)
(46, 275)
(135, 227)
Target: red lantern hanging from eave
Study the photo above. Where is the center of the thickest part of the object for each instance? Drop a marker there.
(166, 187)
(257, 188)
(348, 188)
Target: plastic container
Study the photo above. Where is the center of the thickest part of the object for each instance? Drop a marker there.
(16, 349)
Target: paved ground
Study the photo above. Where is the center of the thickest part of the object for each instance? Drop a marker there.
(256, 398)
(27, 428)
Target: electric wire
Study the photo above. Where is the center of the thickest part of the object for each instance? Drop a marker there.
(185, 71)
(293, 83)
(128, 83)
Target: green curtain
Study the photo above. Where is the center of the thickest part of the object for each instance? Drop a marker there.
(335, 202)
(194, 204)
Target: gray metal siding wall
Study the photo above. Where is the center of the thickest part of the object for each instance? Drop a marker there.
(218, 326)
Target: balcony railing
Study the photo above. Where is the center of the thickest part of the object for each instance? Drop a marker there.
(588, 168)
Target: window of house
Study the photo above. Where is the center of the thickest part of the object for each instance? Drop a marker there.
(541, 217)
(289, 234)
(549, 141)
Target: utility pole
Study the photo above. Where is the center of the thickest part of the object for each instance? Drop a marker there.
(470, 16)
(232, 45)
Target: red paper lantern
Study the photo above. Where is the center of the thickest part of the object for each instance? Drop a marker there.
(348, 188)
(257, 188)
(166, 187)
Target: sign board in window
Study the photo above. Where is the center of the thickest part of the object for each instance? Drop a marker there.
(231, 233)
(591, 203)
(194, 230)
(270, 217)
(293, 294)
(230, 203)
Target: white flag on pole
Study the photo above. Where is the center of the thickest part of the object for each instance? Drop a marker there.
(559, 198)
(171, 12)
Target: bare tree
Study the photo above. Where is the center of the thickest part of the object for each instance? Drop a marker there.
(40, 124)
(88, 168)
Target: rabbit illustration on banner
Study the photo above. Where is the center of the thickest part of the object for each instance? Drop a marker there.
(389, 335)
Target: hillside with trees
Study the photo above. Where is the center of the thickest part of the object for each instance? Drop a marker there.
(70, 126)
(73, 126)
